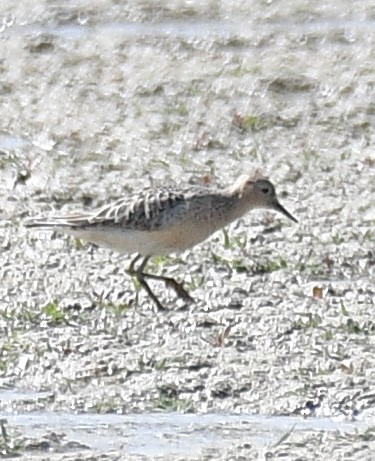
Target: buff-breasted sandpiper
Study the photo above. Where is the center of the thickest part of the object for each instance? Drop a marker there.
(165, 220)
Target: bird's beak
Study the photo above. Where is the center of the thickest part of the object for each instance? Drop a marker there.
(282, 210)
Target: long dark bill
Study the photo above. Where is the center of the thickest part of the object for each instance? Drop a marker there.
(282, 210)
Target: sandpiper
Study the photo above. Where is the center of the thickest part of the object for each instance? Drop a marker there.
(165, 220)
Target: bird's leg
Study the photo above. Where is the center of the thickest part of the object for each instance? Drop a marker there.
(140, 276)
(171, 282)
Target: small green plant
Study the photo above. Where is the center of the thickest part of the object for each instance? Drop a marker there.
(227, 244)
(344, 310)
(246, 122)
(174, 404)
(368, 235)
(309, 321)
(54, 312)
(117, 308)
(338, 239)
(9, 446)
(107, 406)
(313, 269)
(160, 260)
(217, 259)
(160, 365)
(169, 128)
(78, 244)
(238, 265)
(195, 283)
(354, 327)
(272, 266)
(328, 335)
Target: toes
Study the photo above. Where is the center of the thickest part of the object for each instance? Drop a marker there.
(179, 289)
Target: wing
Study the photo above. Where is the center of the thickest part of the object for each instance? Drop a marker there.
(148, 210)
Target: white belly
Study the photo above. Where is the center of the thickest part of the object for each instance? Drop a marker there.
(144, 242)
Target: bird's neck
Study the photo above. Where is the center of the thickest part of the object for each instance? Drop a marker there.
(233, 206)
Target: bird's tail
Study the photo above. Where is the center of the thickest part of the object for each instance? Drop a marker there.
(46, 223)
(73, 220)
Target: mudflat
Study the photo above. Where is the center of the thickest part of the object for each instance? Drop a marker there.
(276, 357)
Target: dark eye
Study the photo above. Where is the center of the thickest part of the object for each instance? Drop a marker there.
(265, 190)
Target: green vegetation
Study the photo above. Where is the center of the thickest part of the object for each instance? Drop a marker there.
(310, 321)
(105, 406)
(246, 122)
(240, 71)
(9, 445)
(196, 282)
(117, 308)
(272, 266)
(170, 404)
(240, 265)
(54, 313)
(338, 239)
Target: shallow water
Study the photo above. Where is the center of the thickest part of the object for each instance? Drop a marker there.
(9, 142)
(190, 29)
(170, 433)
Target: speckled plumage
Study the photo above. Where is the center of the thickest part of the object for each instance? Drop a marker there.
(165, 220)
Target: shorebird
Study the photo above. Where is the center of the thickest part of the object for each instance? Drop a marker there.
(166, 220)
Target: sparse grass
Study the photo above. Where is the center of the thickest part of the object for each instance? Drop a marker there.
(196, 88)
(240, 265)
(246, 153)
(137, 288)
(309, 155)
(357, 328)
(104, 406)
(170, 404)
(227, 243)
(54, 313)
(160, 365)
(160, 261)
(78, 244)
(307, 321)
(338, 239)
(313, 269)
(217, 259)
(196, 282)
(246, 122)
(10, 350)
(169, 128)
(271, 266)
(3, 366)
(237, 42)
(238, 241)
(10, 446)
(117, 308)
(182, 159)
(369, 235)
(240, 71)
(159, 162)
(328, 335)
(179, 109)
(345, 155)
(344, 310)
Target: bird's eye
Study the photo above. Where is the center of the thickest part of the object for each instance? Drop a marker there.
(265, 190)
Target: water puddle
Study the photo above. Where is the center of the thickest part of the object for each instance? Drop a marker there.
(167, 433)
(131, 30)
(9, 142)
(186, 29)
(12, 395)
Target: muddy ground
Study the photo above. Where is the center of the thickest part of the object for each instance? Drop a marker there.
(99, 101)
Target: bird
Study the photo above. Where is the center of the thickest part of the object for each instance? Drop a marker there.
(169, 219)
